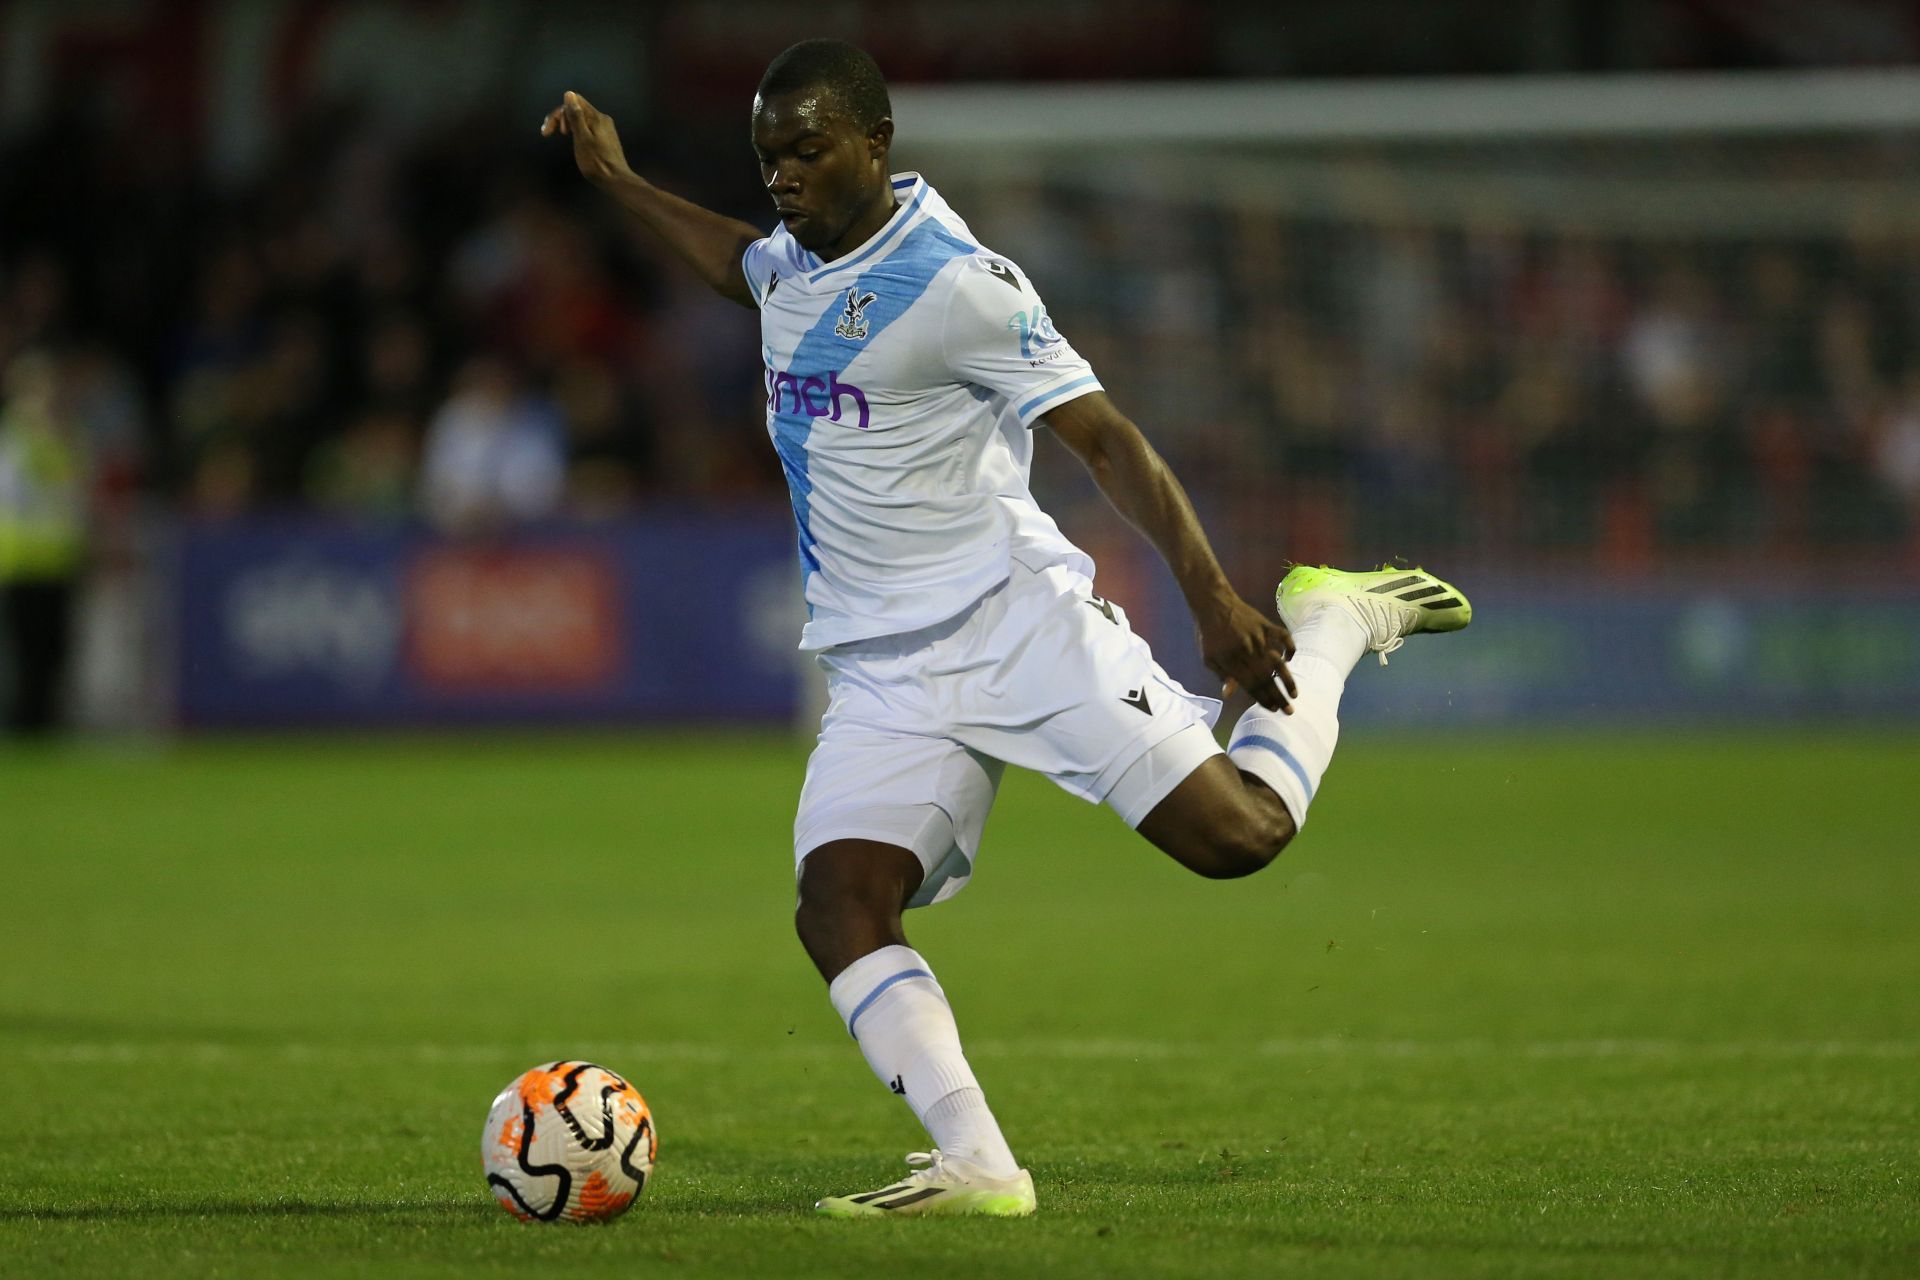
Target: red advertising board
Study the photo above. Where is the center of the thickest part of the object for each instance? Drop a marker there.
(513, 619)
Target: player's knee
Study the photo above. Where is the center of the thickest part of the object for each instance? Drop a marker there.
(829, 901)
(812, 919)
(1246, 843)
(835, 928)
(848, 898)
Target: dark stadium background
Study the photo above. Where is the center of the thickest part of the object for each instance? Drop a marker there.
(262, 256)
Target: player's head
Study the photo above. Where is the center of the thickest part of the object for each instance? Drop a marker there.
(822, 126)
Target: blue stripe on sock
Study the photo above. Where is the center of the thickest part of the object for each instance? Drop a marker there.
(1286, 757)
(880, 990)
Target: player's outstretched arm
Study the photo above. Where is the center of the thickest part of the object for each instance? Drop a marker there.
(706, 241)
(1241, 644)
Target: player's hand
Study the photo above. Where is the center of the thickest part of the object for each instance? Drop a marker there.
(1248, 650)
(596, 143)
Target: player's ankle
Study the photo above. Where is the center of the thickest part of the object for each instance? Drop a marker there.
(963, 1127)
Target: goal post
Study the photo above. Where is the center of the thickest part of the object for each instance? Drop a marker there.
(1714, 104)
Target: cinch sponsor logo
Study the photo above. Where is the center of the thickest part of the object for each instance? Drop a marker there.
(815, 396)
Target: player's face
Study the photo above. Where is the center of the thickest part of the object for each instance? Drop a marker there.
(827, 176)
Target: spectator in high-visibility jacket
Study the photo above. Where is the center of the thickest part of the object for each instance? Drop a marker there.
(42, 540)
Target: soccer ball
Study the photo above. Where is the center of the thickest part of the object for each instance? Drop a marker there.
(568, 1141)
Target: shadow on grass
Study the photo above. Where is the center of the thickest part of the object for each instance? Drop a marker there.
(254, 1209)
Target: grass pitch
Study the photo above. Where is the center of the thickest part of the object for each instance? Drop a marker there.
(1560, 1006)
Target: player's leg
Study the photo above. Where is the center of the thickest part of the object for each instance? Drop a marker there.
(1220, 822)
(1235, 813)
(1222, 819)
(1336, 617)
(852, 894)
(1076, 694)
(875, 836)
(1109, 724)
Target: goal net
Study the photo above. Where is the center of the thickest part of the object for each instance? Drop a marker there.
(1618, 323)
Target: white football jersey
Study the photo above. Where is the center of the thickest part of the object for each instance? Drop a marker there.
(902, 382)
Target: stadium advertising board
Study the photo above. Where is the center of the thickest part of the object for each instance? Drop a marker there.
(693, 618)
(1680, 652)
(677, 618)
(543, 619)
(1624, 651)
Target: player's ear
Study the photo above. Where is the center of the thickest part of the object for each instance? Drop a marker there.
(880, 138)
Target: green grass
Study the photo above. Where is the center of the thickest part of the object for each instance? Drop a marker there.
(1562, 1006)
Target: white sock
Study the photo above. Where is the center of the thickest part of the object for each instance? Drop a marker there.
(899, 1015)
(1290, 753)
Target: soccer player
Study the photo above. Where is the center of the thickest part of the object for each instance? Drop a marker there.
(907, 367)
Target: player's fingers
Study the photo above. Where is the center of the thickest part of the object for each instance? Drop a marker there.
(552, 122)
(1232, 677)
(1280, 680)
(1279, 637)
(1281, 672)
(1263, 685)
(1269, 696)
(1232, 668)
(1281, 702)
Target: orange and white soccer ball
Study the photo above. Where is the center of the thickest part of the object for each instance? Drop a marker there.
(568, 1142)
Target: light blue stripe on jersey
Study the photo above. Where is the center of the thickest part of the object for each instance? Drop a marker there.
(1061, 390)
(897, 282)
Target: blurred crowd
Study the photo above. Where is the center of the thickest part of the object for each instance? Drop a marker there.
(442, 328)
(1506, 395)
(454, 329)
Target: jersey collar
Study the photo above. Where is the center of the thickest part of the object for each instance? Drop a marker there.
(910, 192)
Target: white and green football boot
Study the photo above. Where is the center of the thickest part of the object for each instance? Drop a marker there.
(940, 1185)
(1391, 604)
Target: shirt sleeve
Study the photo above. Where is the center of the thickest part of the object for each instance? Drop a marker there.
(997, 335)
(757, 264)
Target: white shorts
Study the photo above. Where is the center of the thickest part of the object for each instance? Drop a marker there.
(1039, 673)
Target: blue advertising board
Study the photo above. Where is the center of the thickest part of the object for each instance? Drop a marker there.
(688, 617)
(676, 617)
(1579, 649)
